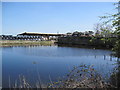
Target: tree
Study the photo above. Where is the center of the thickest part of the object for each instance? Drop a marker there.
(81, 33)
(115, 19)
(97, 28)
(90, 32)
(102, 30)
(76, 33)
(106, 31)
(69, 34)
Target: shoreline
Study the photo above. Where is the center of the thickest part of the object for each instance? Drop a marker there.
(84, 46)
(10, 43)
(7, 43)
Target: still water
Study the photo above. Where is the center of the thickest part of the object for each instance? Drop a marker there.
(50, 61)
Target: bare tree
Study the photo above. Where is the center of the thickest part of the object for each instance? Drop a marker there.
(103, 30)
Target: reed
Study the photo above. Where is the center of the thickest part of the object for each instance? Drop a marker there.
(83, 76)
(24, 43)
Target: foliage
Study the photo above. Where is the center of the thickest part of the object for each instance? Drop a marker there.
(102, 30)
(89, 32)
(93, 39)
(76, 33)
(115, 76)
(83, 76)
(117, 49)
(115, 19)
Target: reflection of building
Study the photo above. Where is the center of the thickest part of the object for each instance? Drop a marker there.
(32, 36)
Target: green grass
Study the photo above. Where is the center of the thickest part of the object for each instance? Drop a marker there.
(24, 43)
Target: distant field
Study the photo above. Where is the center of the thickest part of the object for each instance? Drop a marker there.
(24, 43)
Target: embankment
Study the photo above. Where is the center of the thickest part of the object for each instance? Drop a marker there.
(87, 41)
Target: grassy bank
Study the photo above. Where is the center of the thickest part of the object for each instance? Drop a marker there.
(24, 43)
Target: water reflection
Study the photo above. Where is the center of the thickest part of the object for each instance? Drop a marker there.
(51, 60)
(54, 51)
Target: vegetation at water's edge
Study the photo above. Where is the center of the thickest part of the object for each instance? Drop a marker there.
(85, 76)
(24, 43)
(82, 76)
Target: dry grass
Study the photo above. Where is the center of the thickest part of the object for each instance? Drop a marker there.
(83, 76)
(24, 43)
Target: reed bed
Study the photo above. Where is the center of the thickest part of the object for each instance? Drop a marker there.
(83, 76)
(24, 43)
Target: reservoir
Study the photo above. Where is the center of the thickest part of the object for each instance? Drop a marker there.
(51, 62)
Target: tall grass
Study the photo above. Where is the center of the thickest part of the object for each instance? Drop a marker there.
(24, 43)
(83, 76)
